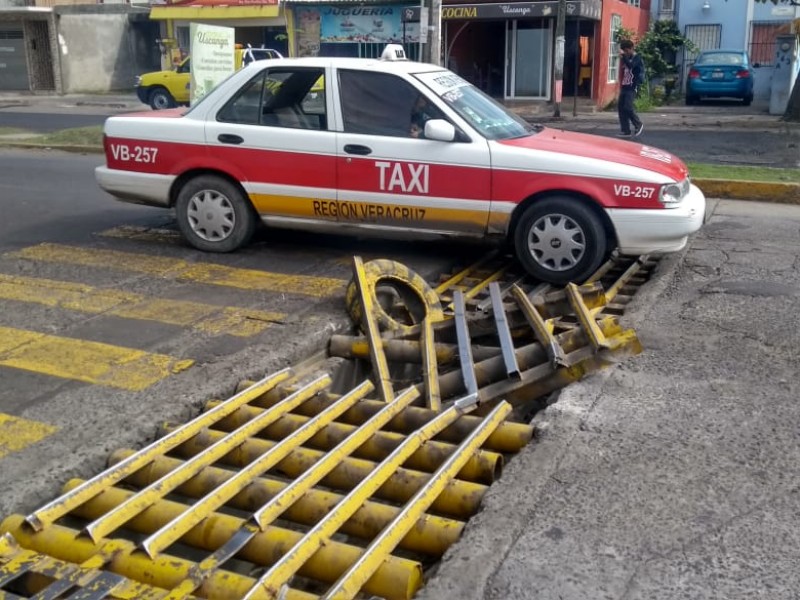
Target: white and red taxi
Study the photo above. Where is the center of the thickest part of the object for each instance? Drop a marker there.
(333, 144)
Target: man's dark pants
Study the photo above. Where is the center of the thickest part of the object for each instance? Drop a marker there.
(627, 113)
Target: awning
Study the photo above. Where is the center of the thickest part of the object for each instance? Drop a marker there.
(189, 13)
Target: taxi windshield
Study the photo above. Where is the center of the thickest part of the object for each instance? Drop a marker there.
(482, 112)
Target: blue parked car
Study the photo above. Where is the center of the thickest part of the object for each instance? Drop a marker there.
(720, 74)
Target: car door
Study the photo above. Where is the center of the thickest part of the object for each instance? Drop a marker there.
(391, 180)
(274, 132)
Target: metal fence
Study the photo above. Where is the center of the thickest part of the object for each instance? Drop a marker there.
(762, 40)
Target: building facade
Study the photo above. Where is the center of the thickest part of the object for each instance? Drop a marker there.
(732, 24)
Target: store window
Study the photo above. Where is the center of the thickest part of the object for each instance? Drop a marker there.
(613, 52)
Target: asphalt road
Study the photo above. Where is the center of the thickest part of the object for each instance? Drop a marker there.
(110, 325)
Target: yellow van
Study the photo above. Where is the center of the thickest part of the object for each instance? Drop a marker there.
(167, 89)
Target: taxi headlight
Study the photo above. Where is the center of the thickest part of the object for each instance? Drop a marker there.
(137, 81)
(672, 193)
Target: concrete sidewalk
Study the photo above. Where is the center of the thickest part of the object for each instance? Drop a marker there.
(675, 474)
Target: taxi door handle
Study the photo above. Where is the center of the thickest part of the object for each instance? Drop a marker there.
(229, 138)
(357, 149)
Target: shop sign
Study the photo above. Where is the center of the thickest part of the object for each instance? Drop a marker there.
(521, 10)
(378, 23)
(212, 50)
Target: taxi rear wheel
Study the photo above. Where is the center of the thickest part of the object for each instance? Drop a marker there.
(213, 214)
(161, 99)
(560, 240)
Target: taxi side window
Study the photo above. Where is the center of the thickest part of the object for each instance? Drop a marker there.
(290, 98)
(380, 104)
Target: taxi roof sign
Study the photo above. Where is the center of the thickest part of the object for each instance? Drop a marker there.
(393, 52)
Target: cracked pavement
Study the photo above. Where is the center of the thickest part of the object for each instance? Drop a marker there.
(675, 473)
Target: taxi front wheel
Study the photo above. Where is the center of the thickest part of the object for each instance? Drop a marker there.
(560, 240)
(213, 214)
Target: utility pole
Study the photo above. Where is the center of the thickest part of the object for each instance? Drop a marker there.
(561, 17)
(431, 30)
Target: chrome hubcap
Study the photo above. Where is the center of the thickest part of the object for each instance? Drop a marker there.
(556, 242)
(211, 215)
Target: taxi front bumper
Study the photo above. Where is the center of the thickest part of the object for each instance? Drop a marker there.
(659, 230)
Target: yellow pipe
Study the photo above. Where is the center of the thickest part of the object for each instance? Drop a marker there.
(395, 580)
(349, 584)
(276, 506)
(432, 534)
(320, 535)
(62, 505)
(144, 498)
(461, 499)
(121, 557)
(172, 531)
(510, 437)
(483, 467)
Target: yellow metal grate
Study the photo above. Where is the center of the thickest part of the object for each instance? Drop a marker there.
(303, 486)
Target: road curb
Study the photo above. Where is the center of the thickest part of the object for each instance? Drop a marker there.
(761, 191)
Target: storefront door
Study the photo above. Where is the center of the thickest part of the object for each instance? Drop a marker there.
(528, 59)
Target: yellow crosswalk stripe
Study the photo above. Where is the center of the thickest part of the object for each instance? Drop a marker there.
(165, 267)
(81, 360)
(17, 433)
(207, 318)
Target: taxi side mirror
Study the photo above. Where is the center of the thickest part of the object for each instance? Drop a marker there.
(439, 130)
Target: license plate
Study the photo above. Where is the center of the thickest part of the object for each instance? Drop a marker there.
(717, 75)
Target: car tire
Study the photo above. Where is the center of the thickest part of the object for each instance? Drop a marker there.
(160, 99)
(560, 240)
(747, 100)
(690, 100)
(214, 215)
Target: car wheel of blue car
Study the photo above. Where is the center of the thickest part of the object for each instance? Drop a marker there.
(748, 100)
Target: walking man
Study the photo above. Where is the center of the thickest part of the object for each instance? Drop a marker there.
(632, 77)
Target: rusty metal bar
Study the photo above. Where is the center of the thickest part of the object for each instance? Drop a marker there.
(64, 504)
(461, 275)
(290, 494)
(585, 317)
(509, 437)
(460, 500)
(430, 368)
(464, 345)
(541, 329)
(349, 584)
(408, 351)
(484, 466)
(629, 273)
(295, 490)
(263, 549)
(432, 535)
(380, 366)
(121, 557)
(503, 331)
(281, 572)
(171, 532)
(109, 522)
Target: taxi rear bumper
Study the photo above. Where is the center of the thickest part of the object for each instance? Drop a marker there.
(659, 230)
(138, 188)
